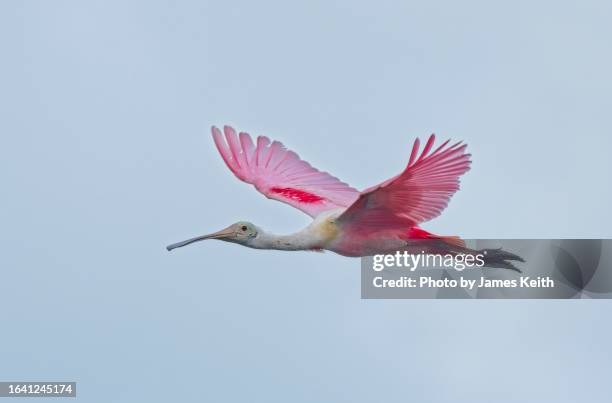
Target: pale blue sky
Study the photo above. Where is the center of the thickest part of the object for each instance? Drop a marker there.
(105, 158)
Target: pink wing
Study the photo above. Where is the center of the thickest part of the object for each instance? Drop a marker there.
(280, 174)
(418, 194)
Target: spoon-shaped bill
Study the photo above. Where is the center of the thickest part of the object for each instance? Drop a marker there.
(216, 235)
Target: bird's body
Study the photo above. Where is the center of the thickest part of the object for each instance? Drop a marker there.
(324, 233)
(381, 219)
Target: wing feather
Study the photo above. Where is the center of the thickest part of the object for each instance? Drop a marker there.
(280, 174)
(418, 194)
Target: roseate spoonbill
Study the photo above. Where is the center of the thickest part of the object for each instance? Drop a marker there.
(381, 219)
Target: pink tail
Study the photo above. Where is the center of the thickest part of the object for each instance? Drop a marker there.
(418, 233)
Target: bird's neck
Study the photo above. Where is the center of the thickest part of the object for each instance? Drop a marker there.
(297, 241)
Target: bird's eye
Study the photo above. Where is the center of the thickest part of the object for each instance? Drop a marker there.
(244, 228)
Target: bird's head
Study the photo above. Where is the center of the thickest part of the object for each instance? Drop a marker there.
(241, 232)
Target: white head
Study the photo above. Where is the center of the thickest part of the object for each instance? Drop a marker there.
(242, 233)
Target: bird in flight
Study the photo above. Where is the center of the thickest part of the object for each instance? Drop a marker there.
(381, 219)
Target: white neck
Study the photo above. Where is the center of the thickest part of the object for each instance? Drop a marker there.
(300, 240)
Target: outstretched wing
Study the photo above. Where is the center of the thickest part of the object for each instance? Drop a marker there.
(418, 194)
(280, 174)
